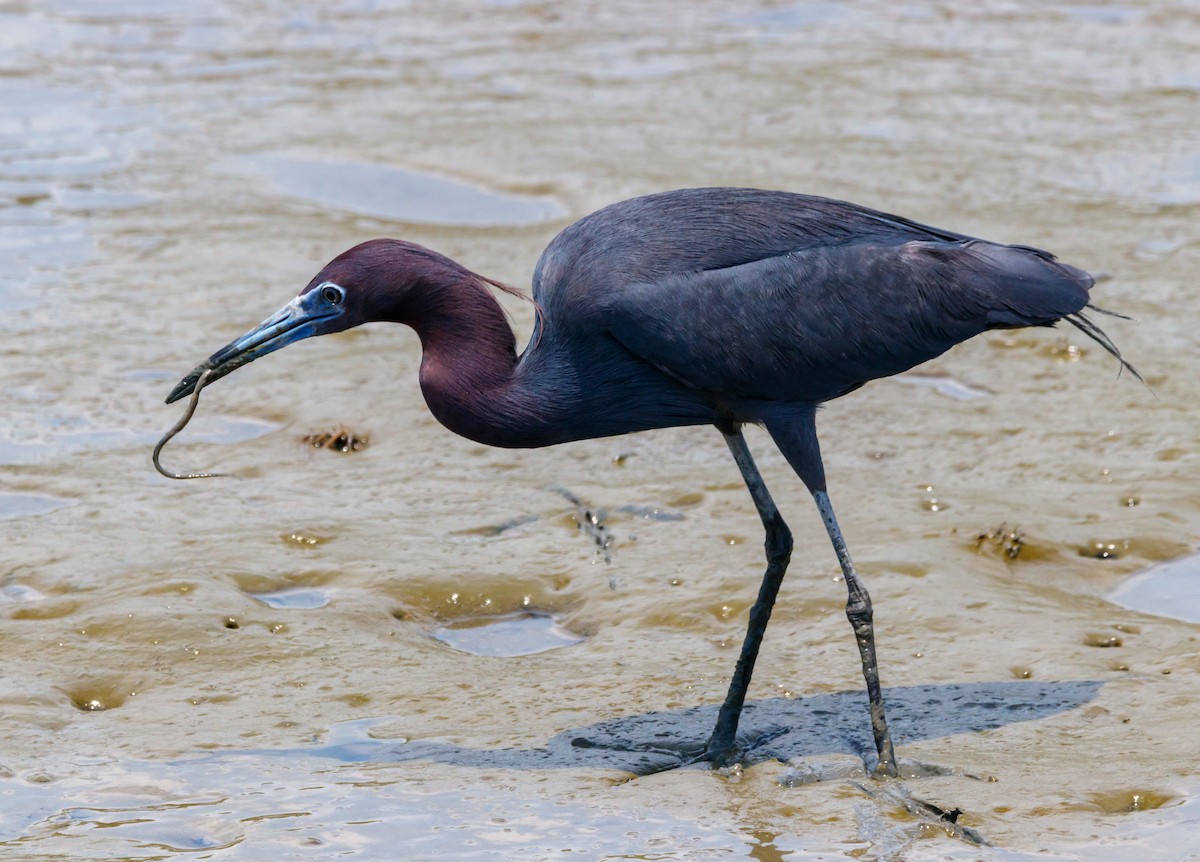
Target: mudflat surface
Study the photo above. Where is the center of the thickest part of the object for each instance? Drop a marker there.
(415, 650)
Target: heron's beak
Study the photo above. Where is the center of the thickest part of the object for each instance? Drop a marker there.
(298, 319)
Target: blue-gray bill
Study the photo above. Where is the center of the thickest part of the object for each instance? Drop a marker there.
(299, 319)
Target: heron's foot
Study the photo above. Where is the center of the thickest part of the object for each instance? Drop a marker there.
(894, 767)
(722, 752)
(642, 759)
(720, 755)
(889, 793)
(816, 770)
(914, 769)
(946, 819)
(885, 769)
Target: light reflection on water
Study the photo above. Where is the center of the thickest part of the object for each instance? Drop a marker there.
(22, 505)
(506, 636)
(258, 807)
(300, 598)
(399, 195)
(1170, 589)
(55, 436)
(947, 386)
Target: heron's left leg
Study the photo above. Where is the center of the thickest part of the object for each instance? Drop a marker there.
(796, 436)
(721, 749)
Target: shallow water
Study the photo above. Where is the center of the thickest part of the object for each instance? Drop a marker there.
(250, 667)
(1170, 589)
(397, 195)
(506, 636)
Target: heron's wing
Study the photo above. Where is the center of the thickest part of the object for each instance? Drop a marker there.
(813, 324)
(652, 238)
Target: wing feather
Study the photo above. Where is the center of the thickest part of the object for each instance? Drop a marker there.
(812, 324)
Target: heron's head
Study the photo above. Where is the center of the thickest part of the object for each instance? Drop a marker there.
(369, 282)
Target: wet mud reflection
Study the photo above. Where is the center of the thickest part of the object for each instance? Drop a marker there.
(1170, 589)
(298, 598)
(397, 194)
(25, 505)
(507, 636)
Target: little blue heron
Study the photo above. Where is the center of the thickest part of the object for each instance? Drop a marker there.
(702, 306)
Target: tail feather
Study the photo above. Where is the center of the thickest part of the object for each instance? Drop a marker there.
(1100, 310)
(1089, 328)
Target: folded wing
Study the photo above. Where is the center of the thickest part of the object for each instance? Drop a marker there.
(812, 324)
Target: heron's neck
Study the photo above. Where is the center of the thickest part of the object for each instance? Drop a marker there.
(468, 368)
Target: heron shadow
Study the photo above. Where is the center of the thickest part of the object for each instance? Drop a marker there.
(775, 728)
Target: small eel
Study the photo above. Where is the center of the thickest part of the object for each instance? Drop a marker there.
(179, 426)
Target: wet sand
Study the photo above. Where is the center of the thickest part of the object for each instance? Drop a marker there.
(297, 661)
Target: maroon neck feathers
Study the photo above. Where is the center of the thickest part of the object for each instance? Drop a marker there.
(469, 352)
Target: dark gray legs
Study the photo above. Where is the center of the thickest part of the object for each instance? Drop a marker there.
(858, 611)
(796, 436)
(721, 750)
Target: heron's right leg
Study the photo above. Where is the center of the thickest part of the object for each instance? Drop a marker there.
(721, 749)
(861, 616)
(795, 432)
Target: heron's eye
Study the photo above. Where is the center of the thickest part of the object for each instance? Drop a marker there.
(333, 294)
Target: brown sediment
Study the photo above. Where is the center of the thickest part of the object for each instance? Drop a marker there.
(340, 439)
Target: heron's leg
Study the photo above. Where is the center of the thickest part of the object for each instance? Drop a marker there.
(796, 436)
(858, 611)
(721, 750)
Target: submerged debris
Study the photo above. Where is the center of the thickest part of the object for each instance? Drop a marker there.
(650, 513)
(304, 539)
(498, 529)
(1104, 550)
(340, 439)
(592, 523)
(1004, 540)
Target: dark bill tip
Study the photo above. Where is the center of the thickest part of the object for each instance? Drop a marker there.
(299, 319)
(187, 385)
